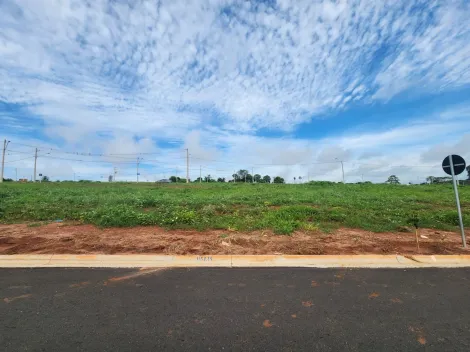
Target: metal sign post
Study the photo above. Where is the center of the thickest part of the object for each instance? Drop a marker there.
(456, 164)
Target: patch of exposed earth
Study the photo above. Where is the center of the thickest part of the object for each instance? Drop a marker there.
(82, 239)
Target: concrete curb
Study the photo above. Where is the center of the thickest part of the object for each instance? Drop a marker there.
(232, 261)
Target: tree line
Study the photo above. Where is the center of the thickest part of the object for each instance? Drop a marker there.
(394, 180)
(239, 176)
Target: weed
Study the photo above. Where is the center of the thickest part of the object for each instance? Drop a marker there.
(284, 227)
(308, 226)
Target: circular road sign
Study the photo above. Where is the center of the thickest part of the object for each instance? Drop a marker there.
(459, 165)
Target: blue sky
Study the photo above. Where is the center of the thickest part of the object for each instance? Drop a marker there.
(284, 87)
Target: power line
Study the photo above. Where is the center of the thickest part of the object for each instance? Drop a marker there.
(385, 165)
(175, 156)
(98, 154)
(122, 155)
(151, 161)
(47, 155)
(14, 161)
(272, 164)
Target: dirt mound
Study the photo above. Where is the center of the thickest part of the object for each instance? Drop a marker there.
(81, 239)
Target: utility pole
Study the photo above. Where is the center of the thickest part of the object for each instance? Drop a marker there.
(35, 159)
(5, 145)
(137, 169)
(115, 173)
(342, 167)
(187, 165)
(200, 174)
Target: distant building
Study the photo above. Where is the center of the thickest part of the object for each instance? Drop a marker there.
(23, 180)
(164, 180)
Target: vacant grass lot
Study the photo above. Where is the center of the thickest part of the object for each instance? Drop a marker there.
(241, 207)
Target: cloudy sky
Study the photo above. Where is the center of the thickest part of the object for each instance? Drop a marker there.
(281, 87)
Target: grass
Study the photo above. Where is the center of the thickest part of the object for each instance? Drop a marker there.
(240, 207)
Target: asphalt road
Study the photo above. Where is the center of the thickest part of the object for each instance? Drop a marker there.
(234, 310)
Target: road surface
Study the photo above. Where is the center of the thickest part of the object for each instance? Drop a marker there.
(272, 309)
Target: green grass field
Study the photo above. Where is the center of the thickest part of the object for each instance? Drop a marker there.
(240, 207)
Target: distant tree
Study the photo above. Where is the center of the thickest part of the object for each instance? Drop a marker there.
(208, 178)
(300, 178)
(393, 180)
(267, 179)
(249, 178)
(240, 176)
(257, 178)
(45, 179)
(278, 179)
(430, 179)
(173, 179)
(7, 180)
(221, 179)
(198, 179)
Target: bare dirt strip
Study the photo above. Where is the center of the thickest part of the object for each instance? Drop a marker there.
(82, 239)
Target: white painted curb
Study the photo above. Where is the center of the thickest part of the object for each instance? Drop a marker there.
(232, 261)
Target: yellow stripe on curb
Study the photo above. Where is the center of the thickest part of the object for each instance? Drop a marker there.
(235, 261)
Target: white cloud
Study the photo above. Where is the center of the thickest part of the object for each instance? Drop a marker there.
(220, 154)
(437, 152)
(114, 63)
(208, 75)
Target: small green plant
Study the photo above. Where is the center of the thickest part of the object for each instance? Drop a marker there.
(308, 226)
(283, 227)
